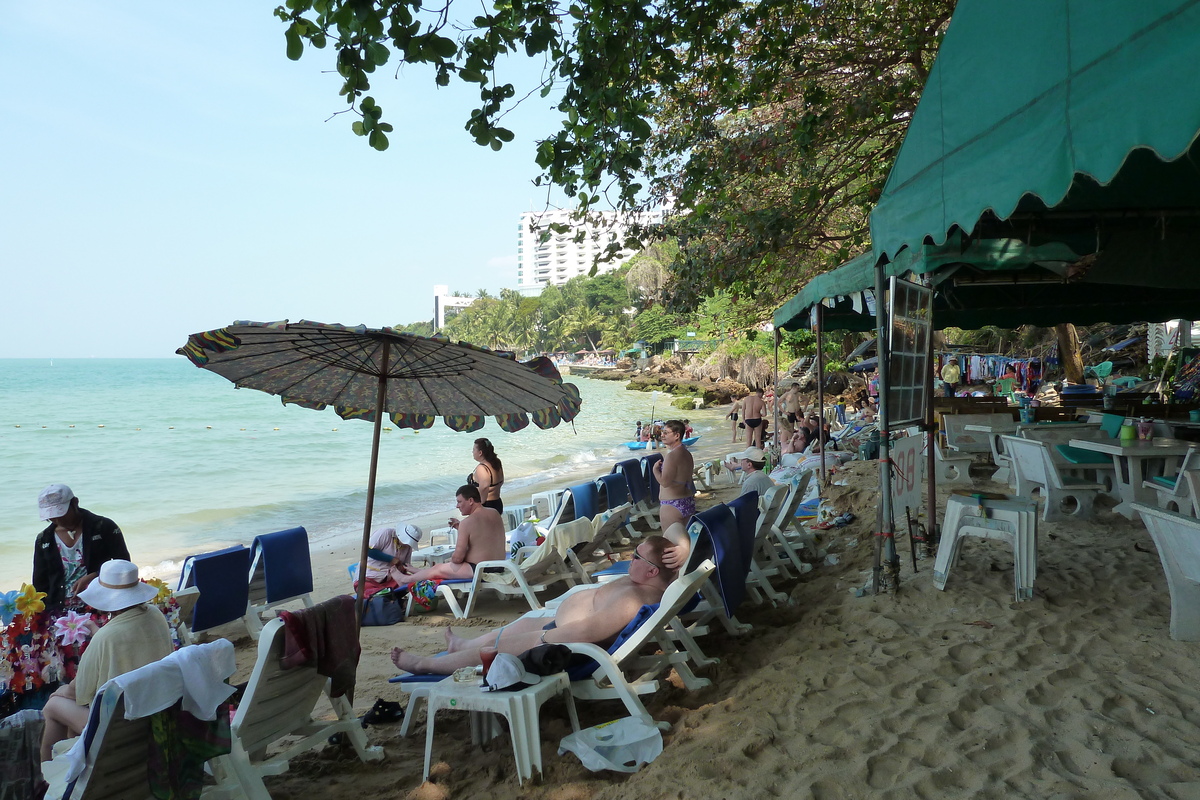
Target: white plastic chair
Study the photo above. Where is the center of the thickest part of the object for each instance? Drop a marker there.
(1175, 494)
(1067, 497)
(952, 469)
(1011, 520)
(278, 704)
(531, 570)
(1178, 541)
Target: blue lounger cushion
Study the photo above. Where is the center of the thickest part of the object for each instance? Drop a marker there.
(224, 591)
(287, 565)
(1077, 455)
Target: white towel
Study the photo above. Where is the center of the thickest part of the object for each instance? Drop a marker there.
(194, 674)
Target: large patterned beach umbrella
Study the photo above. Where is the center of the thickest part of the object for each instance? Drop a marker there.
(366, 373)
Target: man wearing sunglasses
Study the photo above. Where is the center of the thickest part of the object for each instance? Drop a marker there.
(595, 615)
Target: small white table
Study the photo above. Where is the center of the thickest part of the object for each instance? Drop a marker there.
(1136, 461)
(428, 556)
(520, 708)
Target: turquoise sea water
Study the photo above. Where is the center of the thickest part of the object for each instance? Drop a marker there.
(184, 462)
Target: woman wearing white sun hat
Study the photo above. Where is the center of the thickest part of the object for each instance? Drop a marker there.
(136, 635)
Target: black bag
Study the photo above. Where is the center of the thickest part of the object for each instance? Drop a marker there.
(546, 659)
(384, 608)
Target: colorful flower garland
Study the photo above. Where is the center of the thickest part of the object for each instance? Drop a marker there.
(41, 647)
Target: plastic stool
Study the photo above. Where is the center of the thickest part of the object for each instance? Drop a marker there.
(520, 708)
(1011, 520)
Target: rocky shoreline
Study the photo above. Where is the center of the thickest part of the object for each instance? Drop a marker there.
(671, 377)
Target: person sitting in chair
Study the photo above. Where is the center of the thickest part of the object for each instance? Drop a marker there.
(480, 538)
(137, 634)
(594, 616)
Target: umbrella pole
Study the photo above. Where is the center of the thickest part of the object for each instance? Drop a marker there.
(380, 398)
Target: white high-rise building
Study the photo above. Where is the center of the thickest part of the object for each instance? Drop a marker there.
(560, 258)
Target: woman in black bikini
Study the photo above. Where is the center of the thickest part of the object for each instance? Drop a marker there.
(488, 476)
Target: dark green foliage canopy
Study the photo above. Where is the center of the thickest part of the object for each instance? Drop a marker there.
(767, 126)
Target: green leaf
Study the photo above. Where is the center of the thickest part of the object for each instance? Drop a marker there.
(378, 140)
(295, 47)
(357, 127)
(378, 53)
(443, 47)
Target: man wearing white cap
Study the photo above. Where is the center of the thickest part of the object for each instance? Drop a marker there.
(67, 555)
(136, 635)
(752, 460)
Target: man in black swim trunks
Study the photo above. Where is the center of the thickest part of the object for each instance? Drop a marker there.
(752, 408)
(480, 538)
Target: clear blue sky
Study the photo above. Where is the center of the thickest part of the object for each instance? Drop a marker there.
(167, 170)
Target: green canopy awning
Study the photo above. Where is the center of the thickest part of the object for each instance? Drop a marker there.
(1082, 106)
(1008, 282)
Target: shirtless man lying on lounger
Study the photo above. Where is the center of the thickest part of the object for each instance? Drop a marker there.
(480, 538)
(596, 615)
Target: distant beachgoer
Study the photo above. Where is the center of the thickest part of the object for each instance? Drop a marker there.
(688, 430)
(488, 477)
(67, 555)
(676, 493)
(752, 460)
(797, 442)
(951, 374)
(733, 416)
(136, 635)
(480, 538)
(791, 403)
(753, 407)
(637, 436)
(646, 431)
(595, 616)
(389, 559)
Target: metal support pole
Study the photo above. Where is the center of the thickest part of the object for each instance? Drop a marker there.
(885, 543)
(932, 532)
(821, 396)
(380, 400)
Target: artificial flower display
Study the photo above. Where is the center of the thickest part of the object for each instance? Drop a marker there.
(8, 607)
(73, 628)
(30, 601)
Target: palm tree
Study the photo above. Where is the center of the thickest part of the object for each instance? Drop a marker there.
(584, 319)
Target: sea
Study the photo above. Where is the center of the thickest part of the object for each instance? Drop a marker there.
(184, 462)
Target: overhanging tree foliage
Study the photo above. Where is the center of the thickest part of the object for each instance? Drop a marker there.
(769, 125)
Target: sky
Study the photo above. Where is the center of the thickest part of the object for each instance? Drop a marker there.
(167, 170)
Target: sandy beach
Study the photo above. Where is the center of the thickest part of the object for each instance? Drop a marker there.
(1077, 693)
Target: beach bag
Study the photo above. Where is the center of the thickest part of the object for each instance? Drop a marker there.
(524, 535)
(384, 608)
(623, 745)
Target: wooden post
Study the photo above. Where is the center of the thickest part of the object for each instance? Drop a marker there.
(380, 399)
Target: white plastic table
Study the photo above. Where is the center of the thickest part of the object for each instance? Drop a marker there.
(520, 708)
(1136, 461)
(428, 556)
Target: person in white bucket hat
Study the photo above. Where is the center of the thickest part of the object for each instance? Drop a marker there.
(136, 634)
(389, 558)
